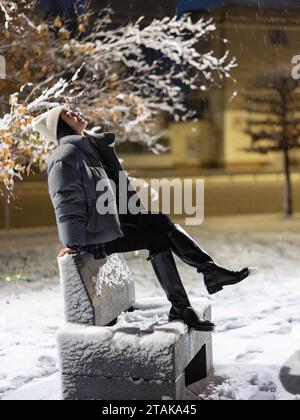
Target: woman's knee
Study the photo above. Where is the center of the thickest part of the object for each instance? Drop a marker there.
(167, 221)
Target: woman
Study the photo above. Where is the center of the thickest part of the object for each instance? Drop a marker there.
(75, 167)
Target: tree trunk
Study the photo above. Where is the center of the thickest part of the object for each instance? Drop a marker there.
(7, 221)
(288, 184)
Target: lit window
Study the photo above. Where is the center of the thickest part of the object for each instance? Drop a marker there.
(278, 37)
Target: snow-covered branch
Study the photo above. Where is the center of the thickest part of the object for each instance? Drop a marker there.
(122, 78)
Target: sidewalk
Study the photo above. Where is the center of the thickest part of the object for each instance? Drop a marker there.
(28, 236)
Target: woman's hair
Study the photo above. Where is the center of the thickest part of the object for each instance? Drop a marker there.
(63, 129)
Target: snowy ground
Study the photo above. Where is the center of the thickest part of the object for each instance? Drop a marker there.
(256, 345)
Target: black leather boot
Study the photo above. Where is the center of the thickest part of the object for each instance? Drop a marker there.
(188, 250)
(216, 277)
(168, 276)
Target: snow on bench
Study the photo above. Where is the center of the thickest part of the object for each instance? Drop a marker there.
(142, 356)
(95, 291)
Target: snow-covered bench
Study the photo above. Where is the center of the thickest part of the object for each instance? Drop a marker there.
(95, 291)
(138, 356)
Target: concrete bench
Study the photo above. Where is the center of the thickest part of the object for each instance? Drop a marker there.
(141, 357)
(95, 292)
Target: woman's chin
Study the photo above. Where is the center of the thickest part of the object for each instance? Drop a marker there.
(80, 128)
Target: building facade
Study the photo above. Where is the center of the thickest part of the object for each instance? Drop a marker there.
(263, 36)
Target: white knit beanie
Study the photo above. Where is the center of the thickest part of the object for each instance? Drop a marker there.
(46, 123)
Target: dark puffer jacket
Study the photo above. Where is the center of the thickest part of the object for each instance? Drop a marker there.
(74, 169)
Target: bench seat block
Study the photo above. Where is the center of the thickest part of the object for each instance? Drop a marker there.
(95, 291)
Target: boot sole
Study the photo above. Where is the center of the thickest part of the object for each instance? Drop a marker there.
(215, 289)
(208, 329)
(202, 329)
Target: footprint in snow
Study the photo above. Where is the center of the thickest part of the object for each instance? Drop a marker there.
(271, 310)
(249, 355)
(234, 325)
(48, 364)
(283, 330)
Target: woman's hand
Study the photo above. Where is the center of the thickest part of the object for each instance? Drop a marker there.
(67, 251)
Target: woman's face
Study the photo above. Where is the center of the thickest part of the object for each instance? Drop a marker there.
(75, 120)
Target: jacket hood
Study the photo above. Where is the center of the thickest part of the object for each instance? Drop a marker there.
(46, 123)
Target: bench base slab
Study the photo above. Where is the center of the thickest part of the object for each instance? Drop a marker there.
(140, 357)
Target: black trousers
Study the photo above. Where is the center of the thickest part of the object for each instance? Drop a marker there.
(147, 231)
